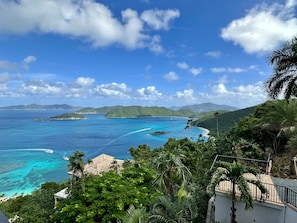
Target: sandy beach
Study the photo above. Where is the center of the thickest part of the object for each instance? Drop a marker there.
(205, 131)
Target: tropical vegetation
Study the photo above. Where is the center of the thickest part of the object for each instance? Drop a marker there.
(234, 172)
(67, 116)
(284, 76)
(166, 184)
(169, 184)
(141, 111)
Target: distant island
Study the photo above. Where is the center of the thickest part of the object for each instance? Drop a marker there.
(68, 116)
(158, 133)
(199, 111)
(41, 107)
(101, 110)
(142, 111)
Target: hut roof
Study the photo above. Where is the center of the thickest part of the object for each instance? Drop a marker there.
(103, 163)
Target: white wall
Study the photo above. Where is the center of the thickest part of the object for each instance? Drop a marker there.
(290, 214)
(261, 213)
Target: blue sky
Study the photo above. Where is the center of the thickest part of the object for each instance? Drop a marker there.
(140, 52)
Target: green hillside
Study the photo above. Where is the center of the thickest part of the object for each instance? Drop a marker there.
(67, 116)
(225, 119)
(101, 110)
(140, 111)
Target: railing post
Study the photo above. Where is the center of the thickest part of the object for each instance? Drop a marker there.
(286, 195)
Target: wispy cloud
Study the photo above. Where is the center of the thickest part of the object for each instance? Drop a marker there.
(13, 66)
(182, 65)
(227, 70)
(195, 71)
(215, 54)
(171, 76)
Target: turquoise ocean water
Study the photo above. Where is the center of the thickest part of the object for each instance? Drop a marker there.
(33, 152)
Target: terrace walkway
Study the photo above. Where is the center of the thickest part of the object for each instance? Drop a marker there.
(276, 194)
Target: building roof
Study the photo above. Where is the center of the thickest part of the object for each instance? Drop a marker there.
(62, 194)
(103, 163)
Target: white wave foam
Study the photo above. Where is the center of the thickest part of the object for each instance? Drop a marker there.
(29, 149)
(129, 133)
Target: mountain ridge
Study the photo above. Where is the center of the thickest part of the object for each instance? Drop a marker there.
(196, 108)
(205, 107)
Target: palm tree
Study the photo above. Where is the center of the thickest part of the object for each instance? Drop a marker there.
(234, 172)
(133, 215)
(170, 169)
(216, 114)
(76, 167)
(180, 209)
(284, 71)
(188, 126)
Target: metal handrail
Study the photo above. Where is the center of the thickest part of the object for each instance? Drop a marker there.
(275, 193)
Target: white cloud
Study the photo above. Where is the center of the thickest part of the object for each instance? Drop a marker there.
(228, 70)
(238, 96)
(159, 19)
(88, 20)
(7, 65)
(215, 54)
(223, 79)
(85, 81)
(186, 94)
(196, 71)
(113, 90)
(263, 28)
(29, 59)
(82, 88)
(3, 89)
(171, 76)
(220, 89)
(183, 65)
(41, 87)
(6, 77)
(148, 93)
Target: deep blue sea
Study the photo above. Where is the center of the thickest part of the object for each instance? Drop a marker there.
(33, 152)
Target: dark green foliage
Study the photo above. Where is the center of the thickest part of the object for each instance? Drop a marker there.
(225, 120)
(67, 116)
(107, 197)
(207, 107)
(140, 111)
(270, 126)
(36, 207)
(141, 153)
(50, 185)
(102, 110)
(284, 76)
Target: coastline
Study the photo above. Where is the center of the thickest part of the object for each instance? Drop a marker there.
(205, 132)
(42, 165)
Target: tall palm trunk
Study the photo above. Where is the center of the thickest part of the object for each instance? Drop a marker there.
(233, 203)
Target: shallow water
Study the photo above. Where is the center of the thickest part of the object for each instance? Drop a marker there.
(33, 152)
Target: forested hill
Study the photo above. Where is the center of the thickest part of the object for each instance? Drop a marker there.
(225, 120)
(205, 107)
(101, 110)
(140, 111)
